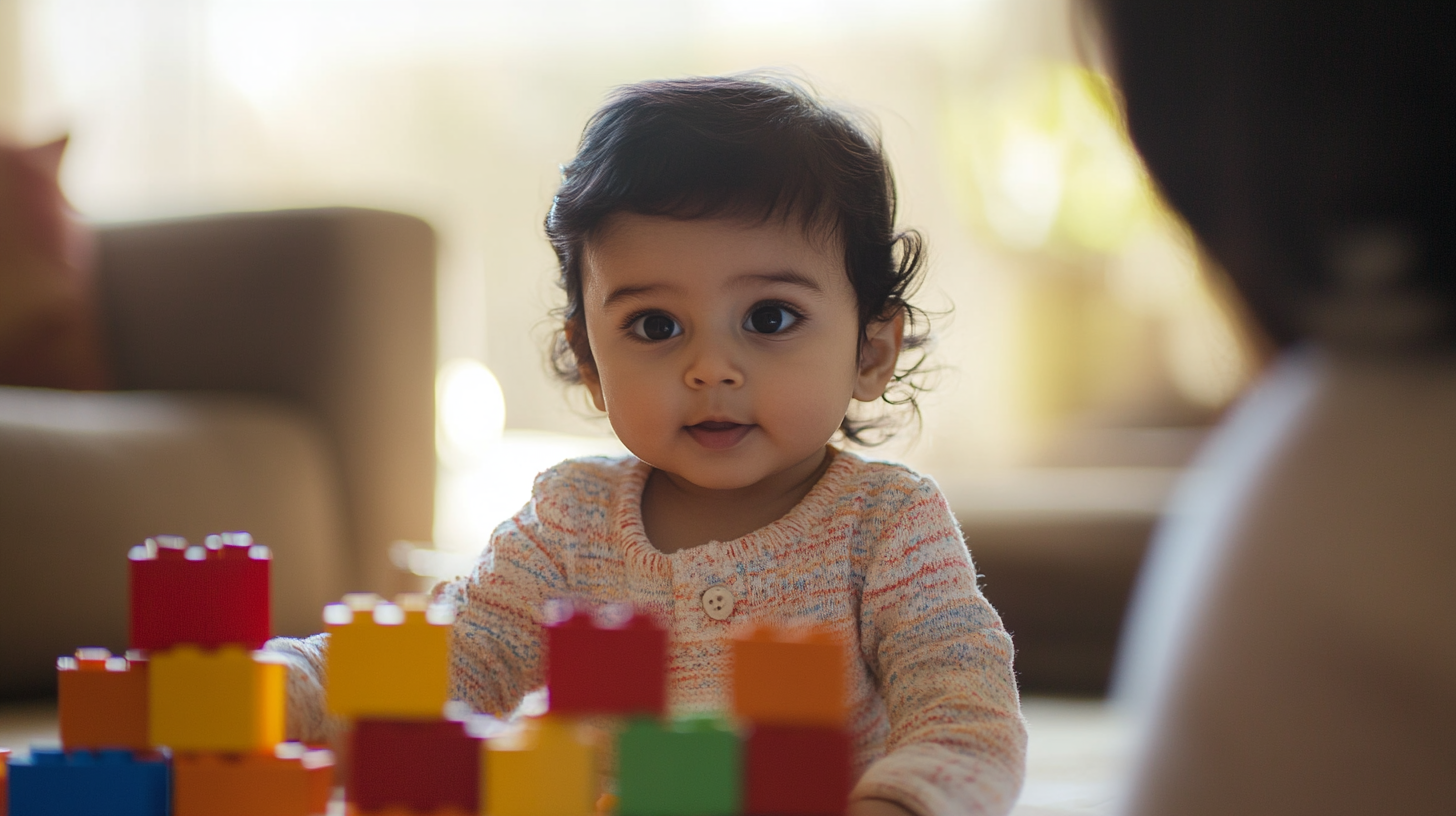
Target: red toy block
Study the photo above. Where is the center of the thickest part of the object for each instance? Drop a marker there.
(103, 701)
(595, 669)
(208, 596)
(413, 765)
(796, 771)
(4, 782)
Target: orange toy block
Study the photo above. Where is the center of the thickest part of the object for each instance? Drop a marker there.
(394, 811)
(103, 701)
(789, 677)
(293, 782)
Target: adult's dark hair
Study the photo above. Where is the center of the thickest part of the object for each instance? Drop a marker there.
(1309, 145)
(753, 147)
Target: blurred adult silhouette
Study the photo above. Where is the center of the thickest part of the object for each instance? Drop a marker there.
(1293, 642)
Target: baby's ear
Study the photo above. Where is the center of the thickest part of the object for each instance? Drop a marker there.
(593, 384)
(585, 367)
(878, 354)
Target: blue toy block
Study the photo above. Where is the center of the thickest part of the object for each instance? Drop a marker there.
(89, 783)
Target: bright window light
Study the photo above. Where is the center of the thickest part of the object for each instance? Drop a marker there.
(472, 410)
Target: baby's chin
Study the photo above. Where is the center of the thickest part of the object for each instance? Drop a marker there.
(710, 470)
(714, 476)
(741, 467)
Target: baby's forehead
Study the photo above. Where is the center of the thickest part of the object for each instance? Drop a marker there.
(638, 251)
(818, 228)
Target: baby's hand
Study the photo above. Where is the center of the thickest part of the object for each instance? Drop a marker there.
(876, 807)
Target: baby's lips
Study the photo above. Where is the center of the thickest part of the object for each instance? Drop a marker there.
(716, 435)
(717, 425)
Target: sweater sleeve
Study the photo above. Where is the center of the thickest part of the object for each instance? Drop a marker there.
(495, 643)
(957, 742)
(495, 648)
(307, 717)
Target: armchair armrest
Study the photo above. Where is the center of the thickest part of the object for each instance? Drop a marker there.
(330, 311)
(83, 476)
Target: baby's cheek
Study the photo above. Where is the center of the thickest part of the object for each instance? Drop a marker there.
(642, 408)
(809, 407)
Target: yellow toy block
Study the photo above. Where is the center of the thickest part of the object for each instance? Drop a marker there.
(549, 768)
(388, 659)
(230, 700)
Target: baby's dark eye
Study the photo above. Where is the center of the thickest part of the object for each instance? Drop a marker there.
(769, 319)
(656, 326)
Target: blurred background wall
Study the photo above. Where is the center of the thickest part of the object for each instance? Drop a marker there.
(1083, 345)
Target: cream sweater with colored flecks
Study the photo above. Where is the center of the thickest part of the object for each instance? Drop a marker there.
(872, 552)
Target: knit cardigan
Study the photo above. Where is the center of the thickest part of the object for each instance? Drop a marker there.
(872, 553)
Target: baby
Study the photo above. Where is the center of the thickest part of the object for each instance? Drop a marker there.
(734, 281)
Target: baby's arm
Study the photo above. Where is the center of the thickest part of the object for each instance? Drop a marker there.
(308, 719)
(957, 742)
(495, 645)
(876, 807)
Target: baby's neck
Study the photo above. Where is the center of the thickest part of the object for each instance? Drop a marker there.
(679, 515)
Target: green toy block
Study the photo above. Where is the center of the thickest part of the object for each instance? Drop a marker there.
(690, 767)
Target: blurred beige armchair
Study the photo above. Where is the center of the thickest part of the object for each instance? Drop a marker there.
(276, 375)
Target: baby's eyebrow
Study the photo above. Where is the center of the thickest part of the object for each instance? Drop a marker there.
(788, 276)
(632, 292)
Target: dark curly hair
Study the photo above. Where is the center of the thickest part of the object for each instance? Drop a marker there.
(755, 147)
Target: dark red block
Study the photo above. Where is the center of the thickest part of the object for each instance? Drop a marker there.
(209, 595)
(415, 765)
(796, 771)
(594, 669)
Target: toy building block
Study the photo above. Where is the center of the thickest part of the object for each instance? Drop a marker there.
(548, 768)
(208, 595)
(229, 700)
(4, 786)
(691, 767)
(796, 771)
(782, 677)
(112, 782)
(294, 781)
(398, 811)
(595, 669)
(415, 765)
(388, 660)
(103, 701)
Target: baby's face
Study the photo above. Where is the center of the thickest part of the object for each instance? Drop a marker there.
(725, 350)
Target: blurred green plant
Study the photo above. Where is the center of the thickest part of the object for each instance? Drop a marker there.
(1042, 162)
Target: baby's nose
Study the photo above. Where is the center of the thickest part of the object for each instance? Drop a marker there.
(731, 379)
(713, 369)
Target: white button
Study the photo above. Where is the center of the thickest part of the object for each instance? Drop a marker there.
(718, 602)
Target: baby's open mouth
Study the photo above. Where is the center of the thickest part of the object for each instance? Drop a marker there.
(718, 435)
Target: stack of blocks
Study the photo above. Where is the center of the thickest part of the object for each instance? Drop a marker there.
(789, 687)
(592, 671)
(190, 722)
(388, 675)
(788, 696)
(201, 612)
